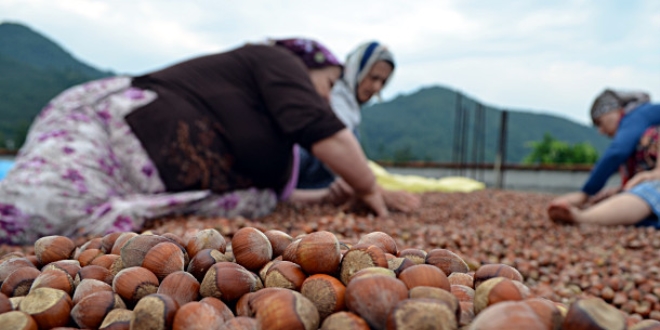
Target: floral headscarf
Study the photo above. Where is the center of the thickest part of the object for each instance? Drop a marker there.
(311, 52)
(611, 100)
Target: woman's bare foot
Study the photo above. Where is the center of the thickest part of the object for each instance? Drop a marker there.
(562, 213)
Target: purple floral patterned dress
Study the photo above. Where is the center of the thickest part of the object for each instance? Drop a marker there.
(82, 171)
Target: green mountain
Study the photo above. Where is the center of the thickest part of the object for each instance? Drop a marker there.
(423, 126)
(418, 126)
(34, 70)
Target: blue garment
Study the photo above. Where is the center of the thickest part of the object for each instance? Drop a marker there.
(312, 173)
(5, 166)
(630, 130)
(649, 191)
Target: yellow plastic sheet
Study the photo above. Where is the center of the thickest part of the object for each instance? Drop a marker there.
(418, 184)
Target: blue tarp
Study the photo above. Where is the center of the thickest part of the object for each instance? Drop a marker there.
(5, 165)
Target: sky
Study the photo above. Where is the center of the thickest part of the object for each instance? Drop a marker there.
(542, 56)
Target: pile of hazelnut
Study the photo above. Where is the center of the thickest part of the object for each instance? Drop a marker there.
(271, 280)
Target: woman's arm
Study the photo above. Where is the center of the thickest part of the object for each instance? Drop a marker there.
(342, 153)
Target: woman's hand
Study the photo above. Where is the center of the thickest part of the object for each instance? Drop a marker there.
(402, 201)
(641, 177)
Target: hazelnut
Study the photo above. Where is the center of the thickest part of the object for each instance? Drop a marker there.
(133, 283)
(417, 256)
(251, 248)
(462, 292)
(94, 272)
(279, 240)
(372, 271)
(449, 262)
(69, 266)
(181, 286)
(93, 308)
(495, 290)
(155, 311)
(441, 295)
(504, 314)
(241, 323)
(206, 239)
(284, 309)
(399, 264)
(178, 240)
(120, 241)
(163, 259)
(227, 281)
(203, 260)
(106, 260)
(424, 275)
(219, 306)
(87, 287)
(18, 320)
(462, 279)
(10, 265)
(380, 239)
(421, 313)
(135, 249)
(593, 313)
(54, 278)
(53, 248)
(15, 301)
(108, 241)
(344, 320)
(374, 297)
(5, 304)
(318, 253)
(325, 292)
(289, 253)
(546, 311)
(197, 316)
(359, 257)
(646, 325)
(48, 307)
(489, 271)
(467, 313)
(117, 319)
(285, 274)
(19, 282)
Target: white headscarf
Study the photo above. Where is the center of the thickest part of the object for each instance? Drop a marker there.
(343, 98)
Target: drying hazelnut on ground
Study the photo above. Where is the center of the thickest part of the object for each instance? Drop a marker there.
(181, 286)
(15, 301)
(204, 259)
(505, 314)
(285, 274)
(547, 312)
(646, 325)
(206, 239)
(359, 257)
(279, 240)
(285, 309)
(10, 265)
(135, 249)
(449, 262)
(489, 271)
(117, 319)
(593, 313)
(93, 272)
(133, 283)
(227, 281)
(495, 290)
(106, 260)
(399, 264)
(289, 253)
(421, 313)
(121, 240)
(19, 282)
(48, 307)
(155, 311)
(69, 266)
(326, 293)
(87, 287)
(417, 256)
(467, 313)
(176, 239)
(344, 320)
(264, 270)
(380, 239)
(318, 253)
(195, 315)
(18, 320)
(108, 241)
(374, 297)
(462, 292)
(372, 271)
(251, 248)
(219, 306)
(86, 257)
(54, 278)
(5, 304)
(424, 275)
(163, 259)
(93, 308)
(441, 295)
(462, 279)
(94, 243)
(53, 248)
(241, 323)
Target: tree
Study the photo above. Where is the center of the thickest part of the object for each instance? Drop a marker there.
(552, 151)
